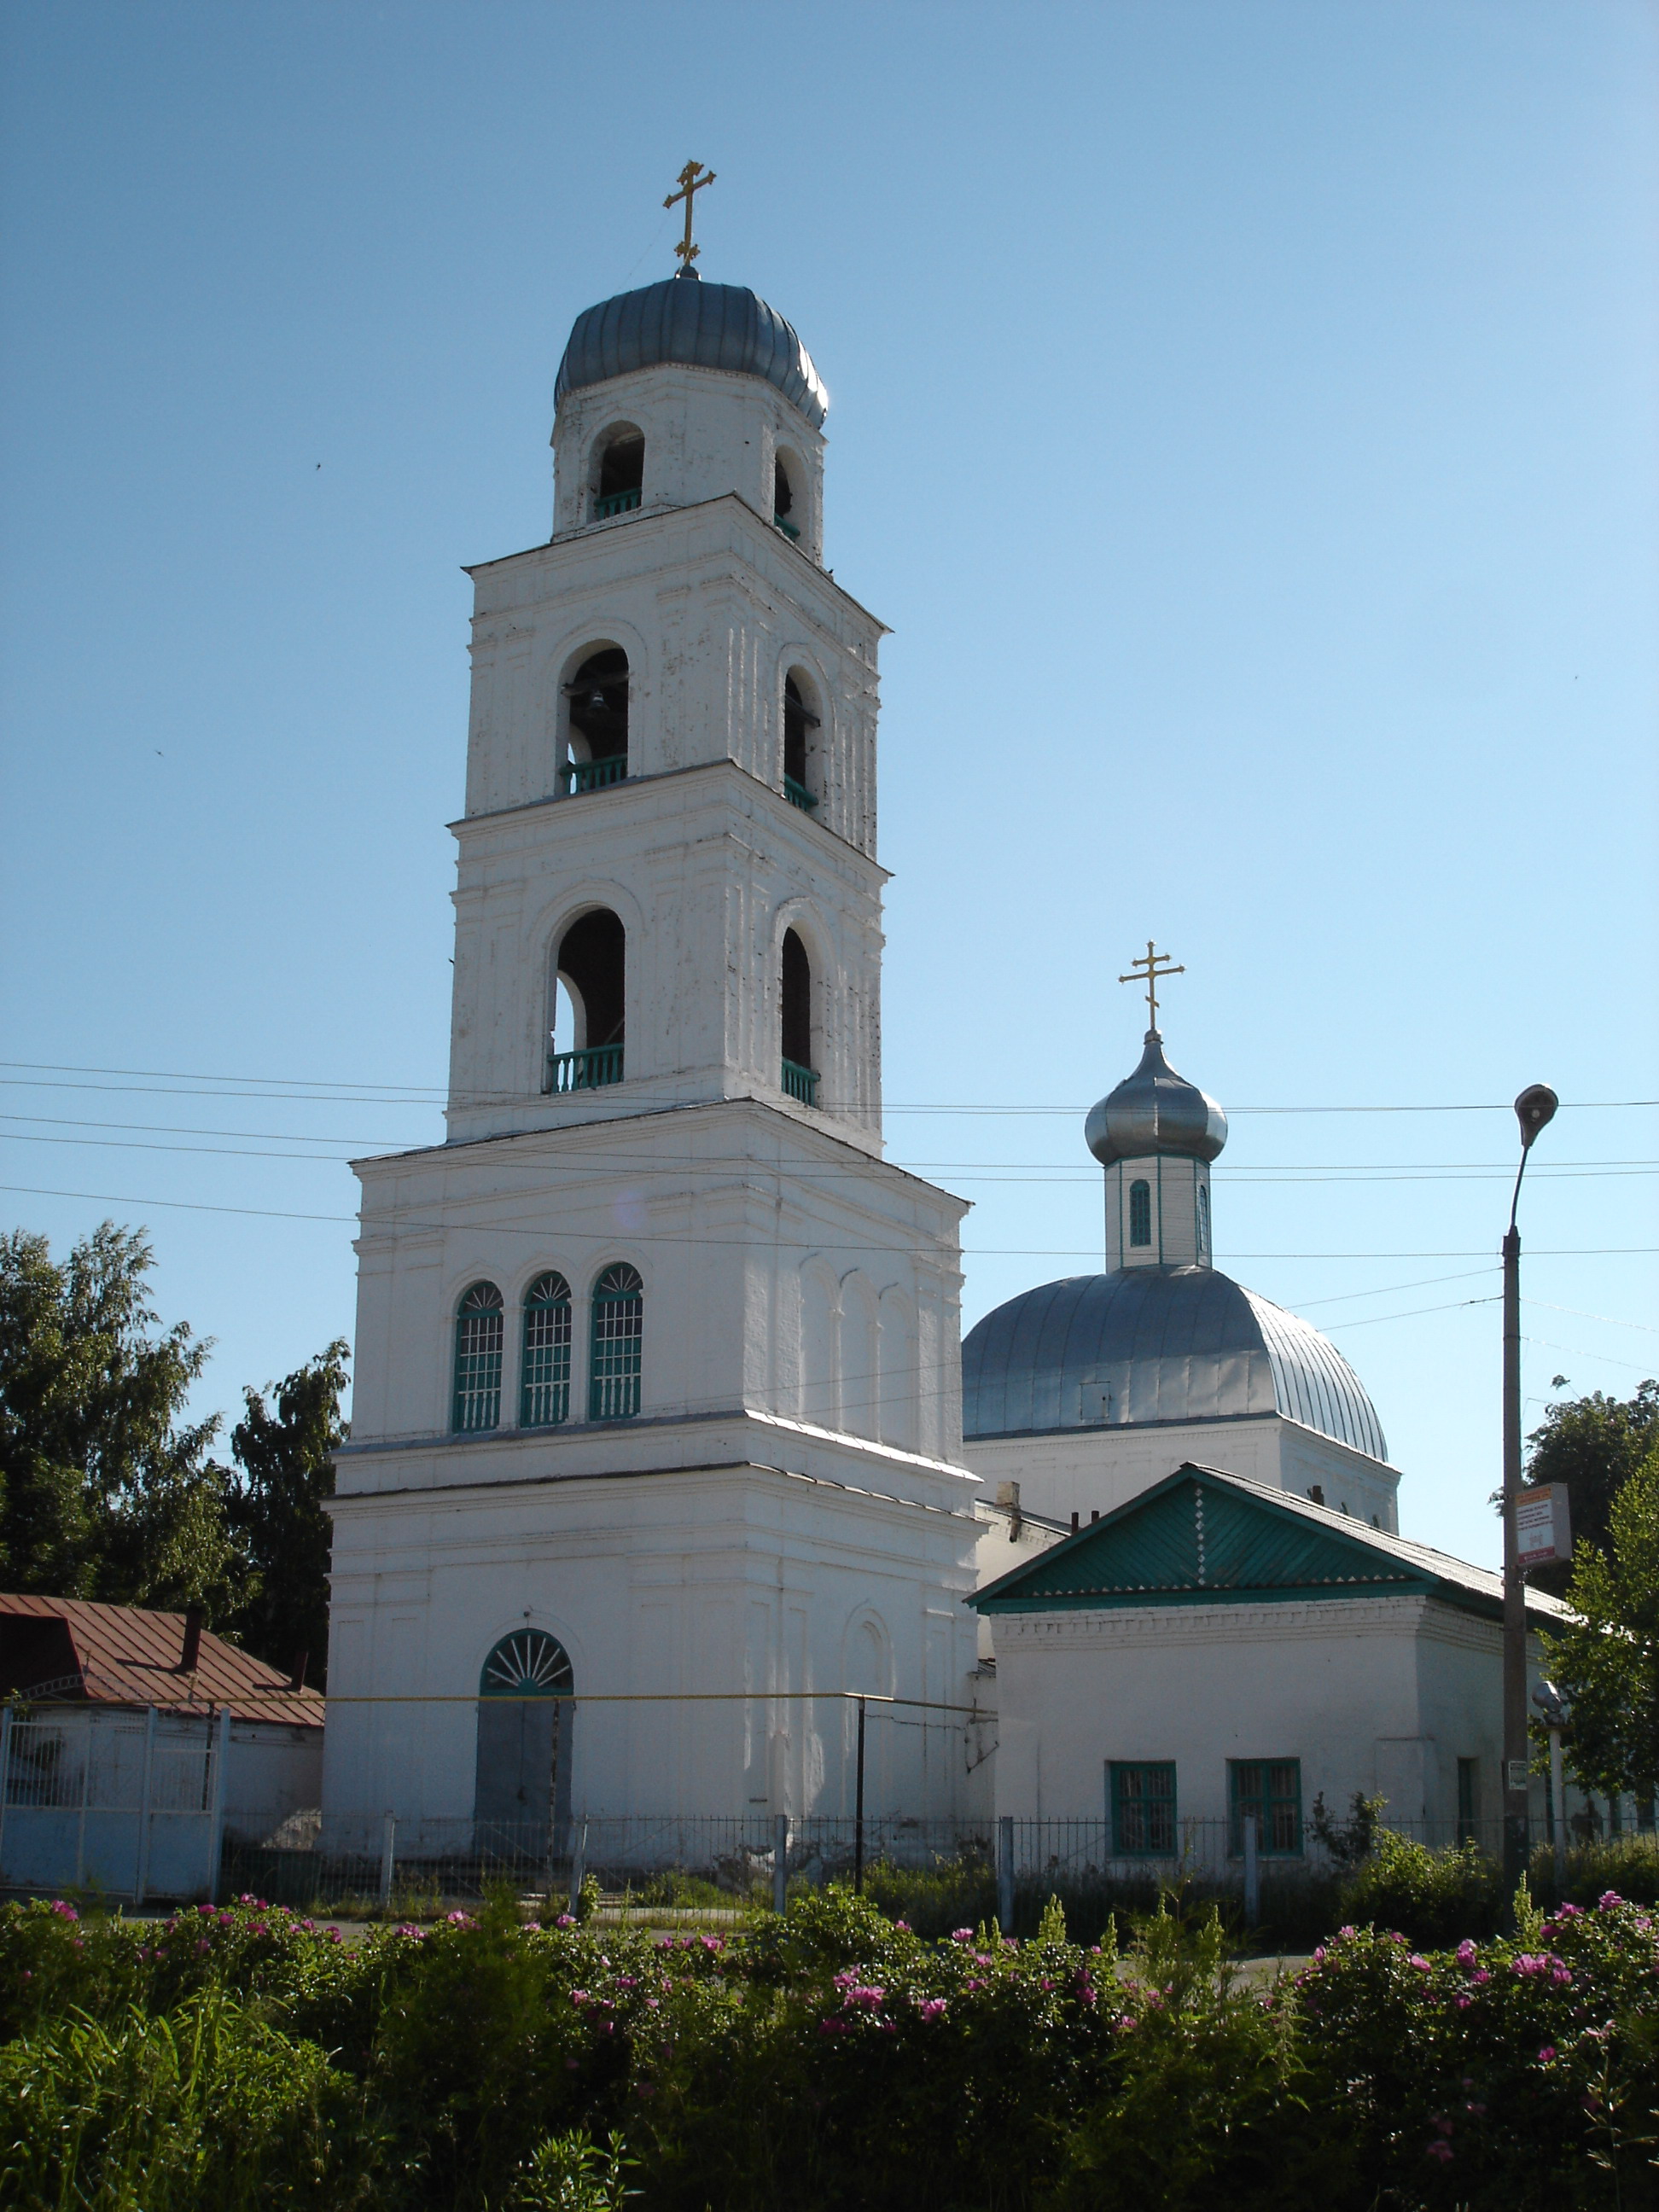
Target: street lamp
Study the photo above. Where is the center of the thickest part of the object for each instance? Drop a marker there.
(1557, 1711)
(1534, 1109)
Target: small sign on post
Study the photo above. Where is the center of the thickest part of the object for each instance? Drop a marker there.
(1543, 1529)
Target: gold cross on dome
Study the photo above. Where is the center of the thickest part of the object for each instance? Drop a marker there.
(693, 178)
(1151, 970)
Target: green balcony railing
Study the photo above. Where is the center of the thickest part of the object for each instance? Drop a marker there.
(616, 502)
(799, 795)
(593, 774)
(789, 530)
(585, 1071)
(800, 1083)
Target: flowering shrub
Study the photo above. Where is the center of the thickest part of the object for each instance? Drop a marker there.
(829, 2059)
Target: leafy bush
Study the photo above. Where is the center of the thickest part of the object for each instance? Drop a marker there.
(1433, 1897)
(1629, 1864)
(828, 2059)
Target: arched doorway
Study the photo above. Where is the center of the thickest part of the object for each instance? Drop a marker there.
(526, 1708)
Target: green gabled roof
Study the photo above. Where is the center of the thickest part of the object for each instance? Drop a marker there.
(1204, 1537)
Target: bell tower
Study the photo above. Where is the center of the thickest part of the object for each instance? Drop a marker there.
(658, 1360)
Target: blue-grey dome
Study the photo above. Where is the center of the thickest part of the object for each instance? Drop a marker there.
(1156, 1344)
(702, 326)
(1155, 1110)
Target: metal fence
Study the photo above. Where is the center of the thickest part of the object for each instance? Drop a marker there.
(129, 1802)
(672, 1869)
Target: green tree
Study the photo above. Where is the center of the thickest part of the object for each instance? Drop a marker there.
(105, 1491)
(1607, 1661)
(1594, 1445)
(277, 1510)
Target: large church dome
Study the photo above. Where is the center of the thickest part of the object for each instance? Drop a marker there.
(699, 325)
(1156, 1344)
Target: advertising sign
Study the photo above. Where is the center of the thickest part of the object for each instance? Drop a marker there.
(1543, 1532)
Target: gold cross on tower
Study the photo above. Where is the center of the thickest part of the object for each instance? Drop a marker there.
(1150, 970)
(693, 178)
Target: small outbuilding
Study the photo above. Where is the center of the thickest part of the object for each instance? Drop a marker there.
(134, 1742)
(1218, 1647)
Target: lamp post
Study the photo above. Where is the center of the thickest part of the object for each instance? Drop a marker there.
(1557, 1711)
(1534, 1109)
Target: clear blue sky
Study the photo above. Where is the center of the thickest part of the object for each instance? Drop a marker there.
(1241, 413)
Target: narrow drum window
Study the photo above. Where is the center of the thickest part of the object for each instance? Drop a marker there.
(1141, 1214)
(1203, 1223)
(613, 1390)
(544, 1390)
(479, 1328)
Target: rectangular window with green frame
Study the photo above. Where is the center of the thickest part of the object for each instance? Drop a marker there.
(1272, 1790)
(1142, 1794)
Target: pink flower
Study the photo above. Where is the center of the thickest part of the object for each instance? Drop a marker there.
(533, 1927)
(566, 1920)
(902, 1927)
(1608, 1899)
(1466, 1953)
(1347, 1934)
(933, 2008)
(1421, 1964)
(1319, 1954)
(1481, 1974)
(1573, 1912)
(64, 1911)
(1441, 2150)
(458, 1919)
(1462, 2003)
(962, 1934)
(1545, 2053)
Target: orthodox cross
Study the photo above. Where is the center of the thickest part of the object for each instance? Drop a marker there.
(693, 178)
(1151, 970)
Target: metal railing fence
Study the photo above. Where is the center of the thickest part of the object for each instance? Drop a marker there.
(128, 1801)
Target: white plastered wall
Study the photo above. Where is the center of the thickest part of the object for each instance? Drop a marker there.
(1373, 1694)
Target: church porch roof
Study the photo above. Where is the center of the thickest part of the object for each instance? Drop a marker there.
(1204, 1536)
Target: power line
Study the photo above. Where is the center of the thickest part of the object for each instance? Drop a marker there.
(623, 1237)
(428, 1094)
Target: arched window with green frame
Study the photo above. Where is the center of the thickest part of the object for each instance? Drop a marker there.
(613, 1386)
(527, 1712)
(480, 1327)
(1141, 1214)
(544, 1372)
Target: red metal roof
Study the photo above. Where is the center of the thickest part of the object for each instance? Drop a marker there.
(122, 1654)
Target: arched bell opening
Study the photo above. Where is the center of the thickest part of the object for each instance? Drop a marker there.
(527, 1712)
(799, 1076)
(596, 722)
(788, 486)
(801, 725)
(618, 483)
(587, 1015)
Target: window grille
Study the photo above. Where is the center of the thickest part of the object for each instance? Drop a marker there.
(478, 1332)
(529, 1663)
(613, 1390)
(545, 1379)
(1272, 1790)
(1143, 1809)
(1141, 1214)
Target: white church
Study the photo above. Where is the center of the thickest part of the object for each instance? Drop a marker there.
(659, 1457)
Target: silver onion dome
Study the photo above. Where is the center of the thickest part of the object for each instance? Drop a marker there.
(698, 325)
(1155, 1111)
